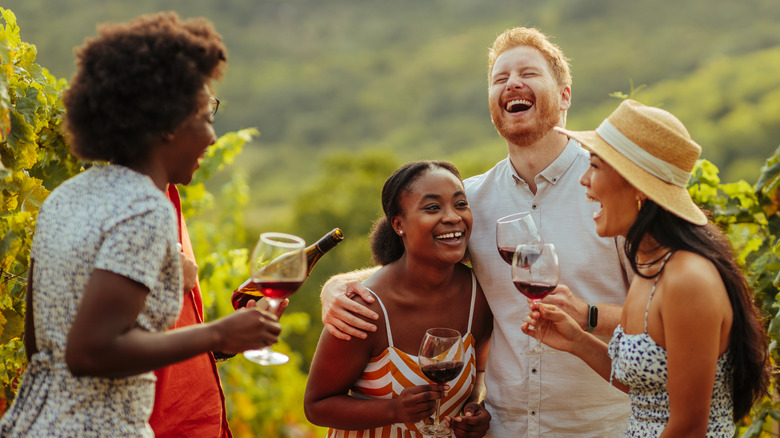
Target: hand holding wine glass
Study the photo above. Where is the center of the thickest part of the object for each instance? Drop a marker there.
(277, 269)
(535, 273)
(441, 360)
(513, 230)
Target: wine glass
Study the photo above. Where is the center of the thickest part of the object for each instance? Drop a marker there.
(441, 360)
(277, 269)
(535, 273)
(513, 230)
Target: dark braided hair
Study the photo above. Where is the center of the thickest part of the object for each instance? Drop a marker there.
(747, 340)
(386, 245)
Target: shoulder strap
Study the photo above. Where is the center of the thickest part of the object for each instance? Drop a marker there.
(655, 283)
(473, 298)
(387, 319)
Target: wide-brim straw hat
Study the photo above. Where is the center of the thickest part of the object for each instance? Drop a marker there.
(652, 150)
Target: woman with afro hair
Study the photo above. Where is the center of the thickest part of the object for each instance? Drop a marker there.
(106, 278)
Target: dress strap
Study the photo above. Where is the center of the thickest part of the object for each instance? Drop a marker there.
(655, 283)
(473, 299)
(387, 319)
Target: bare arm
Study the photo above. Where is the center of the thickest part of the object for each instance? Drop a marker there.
(336, 366)
(340, 313)
(693, 345)
(104, 342)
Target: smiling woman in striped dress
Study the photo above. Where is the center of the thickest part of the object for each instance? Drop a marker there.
(373, 387)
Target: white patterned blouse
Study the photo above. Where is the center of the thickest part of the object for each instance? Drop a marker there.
(112, 218)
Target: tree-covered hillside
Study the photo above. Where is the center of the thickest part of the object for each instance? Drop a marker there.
(321, 75)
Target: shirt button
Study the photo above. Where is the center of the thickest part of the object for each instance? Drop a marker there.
(533, 370)
(533, 412)
(533, 206)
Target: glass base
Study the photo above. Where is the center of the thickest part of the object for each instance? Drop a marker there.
(266, 357)
(431, 430)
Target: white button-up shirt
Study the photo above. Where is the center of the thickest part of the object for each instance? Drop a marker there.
(557, 394)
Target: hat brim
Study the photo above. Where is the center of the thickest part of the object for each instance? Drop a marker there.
(670, 197)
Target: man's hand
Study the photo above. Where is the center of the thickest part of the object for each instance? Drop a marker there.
(340, 312)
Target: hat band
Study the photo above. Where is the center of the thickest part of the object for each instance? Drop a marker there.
(659, 168)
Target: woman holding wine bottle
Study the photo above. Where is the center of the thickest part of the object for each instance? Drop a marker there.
(105, 280)
(690, 349)
(375, 384)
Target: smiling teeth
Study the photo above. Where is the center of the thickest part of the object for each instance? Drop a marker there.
(516, 102)
(449, 235)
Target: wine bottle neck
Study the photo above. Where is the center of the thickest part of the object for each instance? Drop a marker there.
(328, 241)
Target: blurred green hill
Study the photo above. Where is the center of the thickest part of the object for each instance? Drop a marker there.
(318, 76)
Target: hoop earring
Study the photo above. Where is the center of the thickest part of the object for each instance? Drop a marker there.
(638, 205)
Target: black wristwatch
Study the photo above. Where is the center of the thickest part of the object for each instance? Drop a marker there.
(593, 317)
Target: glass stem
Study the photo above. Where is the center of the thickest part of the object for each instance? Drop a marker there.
(436, 414)
(273, 304)
(538, 331)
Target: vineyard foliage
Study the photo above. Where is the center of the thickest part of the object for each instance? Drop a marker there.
(262, 401)
(267, 401)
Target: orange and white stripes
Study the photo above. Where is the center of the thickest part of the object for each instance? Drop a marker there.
(386, 376)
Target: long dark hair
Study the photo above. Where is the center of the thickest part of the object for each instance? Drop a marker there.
(386, 245)
(747, 340)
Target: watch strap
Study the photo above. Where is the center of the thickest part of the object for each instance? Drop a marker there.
(593, 317)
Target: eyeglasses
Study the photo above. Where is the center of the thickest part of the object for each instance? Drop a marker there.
(214, 103)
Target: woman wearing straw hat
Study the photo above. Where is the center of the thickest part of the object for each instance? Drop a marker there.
(690, 349)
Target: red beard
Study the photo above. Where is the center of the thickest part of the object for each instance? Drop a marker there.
(521, 135)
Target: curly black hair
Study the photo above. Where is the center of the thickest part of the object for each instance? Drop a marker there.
(386, 245)
(136, 82)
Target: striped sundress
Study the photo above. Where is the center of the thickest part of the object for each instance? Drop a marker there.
(393, 370)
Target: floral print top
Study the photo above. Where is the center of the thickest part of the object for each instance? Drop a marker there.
(115, 219)
(640, 363)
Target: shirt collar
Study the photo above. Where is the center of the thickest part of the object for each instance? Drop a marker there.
(558, 167)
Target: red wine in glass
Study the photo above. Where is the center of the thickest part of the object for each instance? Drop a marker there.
(443, 372)
(440, 358)
(529, 258)
(277, 269)
(278, 290)
(506, 253)
(514, 230)
(534, 291)
(535, 273)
